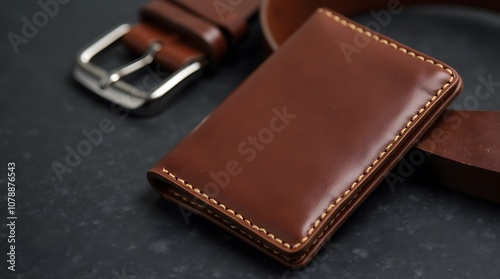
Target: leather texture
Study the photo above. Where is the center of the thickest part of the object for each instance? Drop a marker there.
(201, 32)
(208, 27)
(176, 50)
(471, 145)
(230, 15)
(464, 149)
(289, 155)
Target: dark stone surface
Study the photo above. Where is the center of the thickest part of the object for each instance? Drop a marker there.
(104, 221)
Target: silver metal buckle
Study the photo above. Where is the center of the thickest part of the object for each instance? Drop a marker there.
(110, 85)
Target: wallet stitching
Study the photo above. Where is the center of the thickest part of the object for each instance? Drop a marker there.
(355, 184)
(232, 226)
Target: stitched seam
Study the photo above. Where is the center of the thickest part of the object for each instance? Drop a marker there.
(292, 260)
(356, 183)
(246, 233)
(232, 226)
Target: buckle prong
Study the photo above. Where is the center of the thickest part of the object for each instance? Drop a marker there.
(131, 67)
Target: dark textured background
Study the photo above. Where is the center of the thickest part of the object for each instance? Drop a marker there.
(104, 221)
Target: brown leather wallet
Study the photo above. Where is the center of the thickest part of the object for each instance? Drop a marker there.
(289, 155)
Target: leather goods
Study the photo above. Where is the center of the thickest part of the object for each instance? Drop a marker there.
(285, 159)
(293, 152)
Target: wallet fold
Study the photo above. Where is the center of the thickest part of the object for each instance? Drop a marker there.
(293, 151)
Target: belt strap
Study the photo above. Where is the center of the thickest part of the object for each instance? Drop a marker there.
(190, 29)
(464, 146)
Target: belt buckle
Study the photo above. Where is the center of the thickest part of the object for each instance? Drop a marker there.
(111, 86)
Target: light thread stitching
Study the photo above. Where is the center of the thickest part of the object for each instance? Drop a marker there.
(355, 184)
(293, 260)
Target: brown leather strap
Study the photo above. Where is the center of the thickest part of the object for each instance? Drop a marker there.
(190, 29)
(171, 17)
(465, 148)
(230, 15)
(464, 145)
(176, 50)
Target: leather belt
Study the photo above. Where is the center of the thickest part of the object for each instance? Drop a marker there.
(184, 36)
